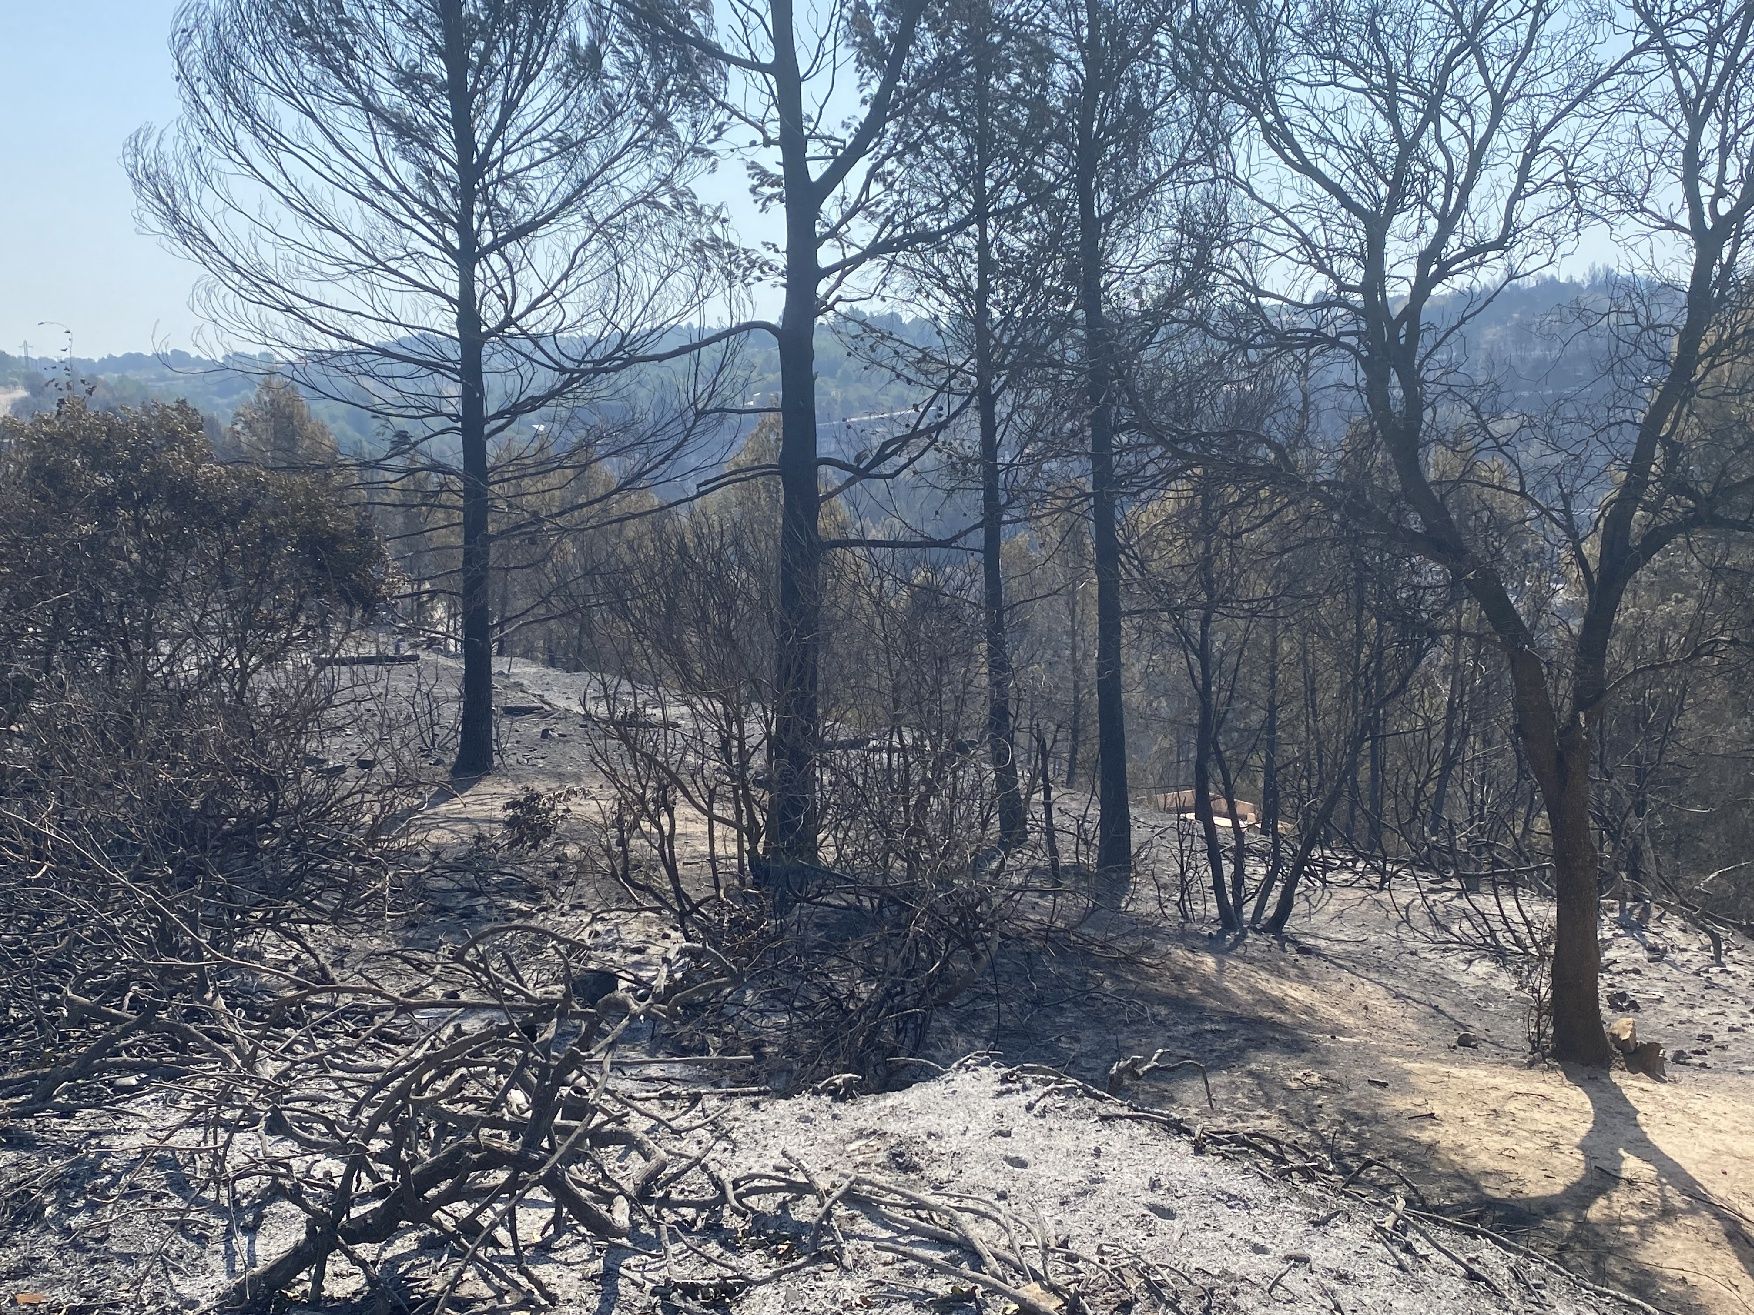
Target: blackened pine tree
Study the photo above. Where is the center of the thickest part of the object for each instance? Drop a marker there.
(457, 214)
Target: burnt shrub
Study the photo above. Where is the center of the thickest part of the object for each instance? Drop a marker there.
(162, 806)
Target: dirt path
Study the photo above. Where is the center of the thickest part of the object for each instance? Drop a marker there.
(1245, 1239)
(1347, 1039)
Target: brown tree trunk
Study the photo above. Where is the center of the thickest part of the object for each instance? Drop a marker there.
(1559, 755)
(1578, 1035)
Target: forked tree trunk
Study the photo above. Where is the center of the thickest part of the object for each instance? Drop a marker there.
(1315, 825)
(1238, 834)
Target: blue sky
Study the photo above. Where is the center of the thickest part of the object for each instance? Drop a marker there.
(76, 77)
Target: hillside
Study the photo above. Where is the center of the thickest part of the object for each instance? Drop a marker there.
(1370, 1035)
(1345, 1120)
(1084, 659)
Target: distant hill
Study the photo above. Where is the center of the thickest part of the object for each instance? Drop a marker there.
(849, 388)
(1527, 339)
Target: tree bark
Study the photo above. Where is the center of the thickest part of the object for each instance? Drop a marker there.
(1559, 755)
(1577, 957)
(1075, 732)
(1205, 734)
(1374, 807)
(1310, 833)
(1454, 737)
(1050, 837)
(1270, 757)
(1238, 833)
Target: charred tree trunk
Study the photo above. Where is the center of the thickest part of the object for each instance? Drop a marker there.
(792, 818)
(1114, 849)
(1309, 836)
(1075, 731)
(1577, 957)
(1270, 759)
(1374, 805)
(1205, 736)
(1559, 756)
(1050, 837)
(475, 741)
(1238, 834)
(1454, 737)
(1352, 792)
(1001, 734)
(791, 829)
(1114, 841)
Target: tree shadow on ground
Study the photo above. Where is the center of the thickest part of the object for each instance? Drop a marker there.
(446, 791)
(1084, 1002)
(1478, 1133)
(1616, 1136)
(1623, 1216)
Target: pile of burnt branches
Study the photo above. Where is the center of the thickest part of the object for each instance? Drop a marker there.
(845, 976)
(429, 1099)
(139, 922)
(446, 1111)
(436, 1129)
(161, 882)
(843, 964)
